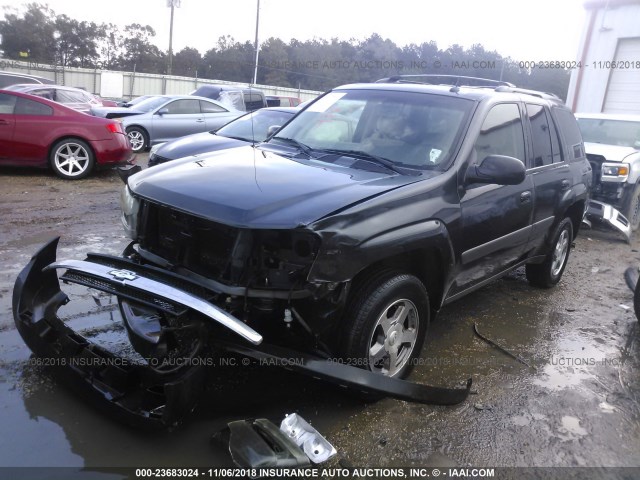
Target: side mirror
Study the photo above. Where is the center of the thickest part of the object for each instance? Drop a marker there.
(162, 111)
(272, 130)
(498, 169)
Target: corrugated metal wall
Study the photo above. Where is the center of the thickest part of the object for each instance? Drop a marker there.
(138, 83)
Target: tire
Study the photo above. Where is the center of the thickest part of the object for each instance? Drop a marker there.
(631, 207)
(138, 138)
(72, 159)
(372, 333)
(548, 273)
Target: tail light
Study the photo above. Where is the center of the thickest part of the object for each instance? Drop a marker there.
(115, 128)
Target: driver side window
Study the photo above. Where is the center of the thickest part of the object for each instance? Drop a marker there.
(183, 107)
(502, 133)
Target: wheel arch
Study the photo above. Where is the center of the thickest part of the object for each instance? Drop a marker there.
(69, 137)
(575, 212)
(426, 264)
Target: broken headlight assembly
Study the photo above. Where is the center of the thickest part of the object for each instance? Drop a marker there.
(130, 207)
(615, 172)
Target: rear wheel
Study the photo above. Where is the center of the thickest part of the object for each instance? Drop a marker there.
(72, 159)
(138, 138)
(385, 324)
(631, 207)
(549, 272)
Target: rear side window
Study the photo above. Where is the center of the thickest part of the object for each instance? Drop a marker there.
(570, 132)
(208, 107)
(540, 135)
(48, 93)
(29, 107)
(501, 133)
(7, 104)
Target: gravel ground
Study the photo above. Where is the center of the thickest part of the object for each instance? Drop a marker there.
(577, 403)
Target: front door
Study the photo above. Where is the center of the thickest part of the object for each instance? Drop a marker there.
(496, 219)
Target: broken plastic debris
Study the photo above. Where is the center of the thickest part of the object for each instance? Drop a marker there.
(317, 448)
(260, 444)
(626, 307)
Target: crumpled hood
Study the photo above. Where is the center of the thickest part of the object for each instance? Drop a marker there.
(247, 187)
(612, 153)
(114, 112)
(197, 143)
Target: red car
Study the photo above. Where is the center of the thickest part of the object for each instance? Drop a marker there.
(38, 132)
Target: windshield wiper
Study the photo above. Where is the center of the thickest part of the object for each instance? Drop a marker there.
(239, 138)
(385, 162)
(301, 146)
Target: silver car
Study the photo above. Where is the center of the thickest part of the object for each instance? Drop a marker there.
(71, 97)
(165, 117)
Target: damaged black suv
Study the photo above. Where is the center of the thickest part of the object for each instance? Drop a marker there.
(347, 231)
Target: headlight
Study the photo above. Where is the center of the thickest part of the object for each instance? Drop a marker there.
(619, 170)
(130, 207)
(155, 148)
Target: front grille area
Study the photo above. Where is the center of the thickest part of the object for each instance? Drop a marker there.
(202, 246)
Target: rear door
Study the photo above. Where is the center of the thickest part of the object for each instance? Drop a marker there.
(182, 117)
(551, 176)
(496, 219)
(7, 126)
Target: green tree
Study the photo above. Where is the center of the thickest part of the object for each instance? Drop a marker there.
(30, 31)
(187, 62)
(139, 53)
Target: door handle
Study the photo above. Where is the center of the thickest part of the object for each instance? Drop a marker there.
(525, 197)
(4, 122)
(200, 120)
(565, 184)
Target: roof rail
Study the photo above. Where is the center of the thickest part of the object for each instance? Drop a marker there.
(453, 80)
(535, 93)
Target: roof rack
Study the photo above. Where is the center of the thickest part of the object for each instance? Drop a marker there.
(535, 93)
(453, 80)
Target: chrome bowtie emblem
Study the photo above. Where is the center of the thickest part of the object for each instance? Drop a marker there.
(123, 274)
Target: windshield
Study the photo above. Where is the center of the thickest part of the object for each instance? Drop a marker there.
(411, 129)
(625, 133)
(150, 104)
(254, 126)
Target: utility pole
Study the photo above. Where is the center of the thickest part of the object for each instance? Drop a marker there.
(171, 4)
(257, 45)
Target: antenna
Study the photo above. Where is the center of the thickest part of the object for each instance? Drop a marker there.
(171, 4)
(257, 45)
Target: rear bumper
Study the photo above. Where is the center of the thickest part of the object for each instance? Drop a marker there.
(113, 151)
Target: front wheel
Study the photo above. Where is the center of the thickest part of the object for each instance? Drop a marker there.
(631, 207)
(138, 138)
(72, 159)
(549, 272)
(385, 324)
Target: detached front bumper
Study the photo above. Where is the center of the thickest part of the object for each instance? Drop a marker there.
(605, 213)
(136, 393)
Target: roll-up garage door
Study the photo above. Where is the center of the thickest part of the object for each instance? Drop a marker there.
(623, 91)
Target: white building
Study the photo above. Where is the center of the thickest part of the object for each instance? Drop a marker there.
(608, 77)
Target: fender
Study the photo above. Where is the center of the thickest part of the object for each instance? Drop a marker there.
(341, 258)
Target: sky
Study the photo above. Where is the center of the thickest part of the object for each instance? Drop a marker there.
(522, 30)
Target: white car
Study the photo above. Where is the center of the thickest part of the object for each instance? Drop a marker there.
(612, 144)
